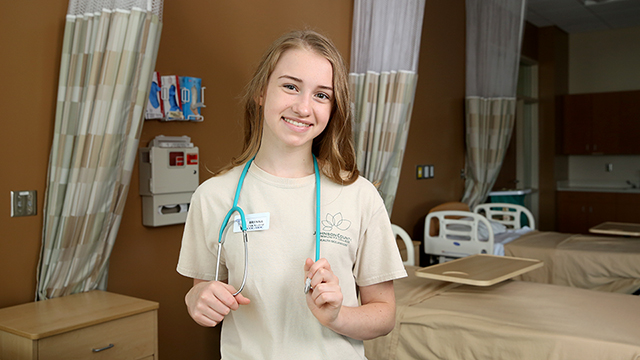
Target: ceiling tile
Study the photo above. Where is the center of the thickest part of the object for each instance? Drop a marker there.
(537, 20)
(574, 16)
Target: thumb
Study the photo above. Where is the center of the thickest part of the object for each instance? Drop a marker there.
(242, 300)
(307, 264)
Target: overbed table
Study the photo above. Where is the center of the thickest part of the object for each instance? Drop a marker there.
(616, 228)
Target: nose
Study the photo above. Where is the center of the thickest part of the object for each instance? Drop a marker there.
(302, 105)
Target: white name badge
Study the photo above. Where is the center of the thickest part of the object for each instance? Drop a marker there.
(255, 222)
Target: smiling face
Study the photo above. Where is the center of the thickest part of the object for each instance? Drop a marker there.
(298, 99)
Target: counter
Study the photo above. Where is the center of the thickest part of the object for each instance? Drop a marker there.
(622, 190)
(514, 192)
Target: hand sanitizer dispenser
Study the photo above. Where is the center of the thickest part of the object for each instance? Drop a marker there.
(168, 178)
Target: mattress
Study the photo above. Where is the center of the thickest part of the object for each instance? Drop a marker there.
(603, 263)
(509, 320)
(503, 238)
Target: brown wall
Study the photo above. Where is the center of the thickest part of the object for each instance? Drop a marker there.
(31, 41)
(220, 42)
(553, 61)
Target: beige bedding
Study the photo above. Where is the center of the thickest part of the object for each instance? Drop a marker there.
(510, 320)
(604, 263)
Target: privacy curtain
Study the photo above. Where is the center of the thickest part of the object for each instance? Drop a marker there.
(494, 36)
(384, 63)
(108, 55)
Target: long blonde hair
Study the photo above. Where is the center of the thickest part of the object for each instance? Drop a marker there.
(334, 146)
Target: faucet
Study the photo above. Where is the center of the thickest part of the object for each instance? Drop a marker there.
(633, 185)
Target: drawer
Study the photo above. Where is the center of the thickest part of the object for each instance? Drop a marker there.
(132, 337)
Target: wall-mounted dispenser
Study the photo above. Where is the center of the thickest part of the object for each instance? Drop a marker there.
(175, 98)
(168, 178)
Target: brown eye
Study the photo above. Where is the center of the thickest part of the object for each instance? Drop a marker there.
(323, 96)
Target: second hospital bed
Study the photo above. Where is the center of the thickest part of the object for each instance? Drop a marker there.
(604, 263)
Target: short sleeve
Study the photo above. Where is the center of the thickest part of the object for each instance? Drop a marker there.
(198, 252)
(378, 257)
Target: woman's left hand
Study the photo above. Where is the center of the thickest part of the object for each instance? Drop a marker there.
(324, 299)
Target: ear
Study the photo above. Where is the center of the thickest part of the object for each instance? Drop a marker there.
(260, 100)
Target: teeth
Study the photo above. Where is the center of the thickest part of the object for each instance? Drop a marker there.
(296, 123)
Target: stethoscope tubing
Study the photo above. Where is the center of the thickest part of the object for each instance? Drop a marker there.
(236, 208)
(317, 174)
(243, 219)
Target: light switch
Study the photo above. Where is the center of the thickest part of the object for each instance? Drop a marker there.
(23, 203)
(424, 172)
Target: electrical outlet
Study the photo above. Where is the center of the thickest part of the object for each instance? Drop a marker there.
(23, 203)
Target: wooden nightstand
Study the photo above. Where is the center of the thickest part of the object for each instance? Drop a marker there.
(91, 325)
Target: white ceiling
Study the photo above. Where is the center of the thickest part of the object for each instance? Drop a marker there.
(573, 16)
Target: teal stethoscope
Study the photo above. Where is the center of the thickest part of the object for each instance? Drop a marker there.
(243, 226)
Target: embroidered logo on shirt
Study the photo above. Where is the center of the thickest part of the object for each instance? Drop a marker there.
(329, 227)
(335, 221)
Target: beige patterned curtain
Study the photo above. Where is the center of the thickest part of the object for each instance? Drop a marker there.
(489, 126)
(108, 56)
(494, 36)
(384, 63)
(383, 105)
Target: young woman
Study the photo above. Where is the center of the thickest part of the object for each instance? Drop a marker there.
(295, 304)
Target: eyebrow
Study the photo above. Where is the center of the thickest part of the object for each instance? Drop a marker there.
(300, 81)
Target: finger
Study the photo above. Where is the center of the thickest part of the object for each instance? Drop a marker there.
(208, 318)
(212, 310)
(225, 296)
(320, 264)
(208, 312)
(324, 275)
(234, 301)
(327, 294)
(242, 300)
(307, 265)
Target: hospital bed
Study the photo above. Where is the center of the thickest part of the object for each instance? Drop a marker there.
(508, 320)
(603, 263)
(405, 245)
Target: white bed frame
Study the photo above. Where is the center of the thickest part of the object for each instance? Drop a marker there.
(507, 214)
(458, 230)
(457, 236)
(399, 232)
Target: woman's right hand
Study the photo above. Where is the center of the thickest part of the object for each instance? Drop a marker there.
(208, 302)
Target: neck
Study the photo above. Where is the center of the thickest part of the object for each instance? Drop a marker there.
(294, 164)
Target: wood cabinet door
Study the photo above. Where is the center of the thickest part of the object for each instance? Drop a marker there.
(628, 208)
(572, 212)
(605, 123)
(578, 211)
(601, 207)
(576, 125)
(630, 122)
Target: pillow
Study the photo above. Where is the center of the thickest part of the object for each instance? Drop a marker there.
(483, 232)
